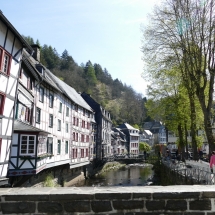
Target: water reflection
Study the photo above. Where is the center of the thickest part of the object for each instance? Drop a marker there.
(130, 175)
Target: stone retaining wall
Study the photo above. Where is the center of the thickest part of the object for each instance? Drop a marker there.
(156, 200)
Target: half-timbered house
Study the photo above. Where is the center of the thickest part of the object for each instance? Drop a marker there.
(132, 136)
(118, 142)
(104, 125)
(11, 47)
(48, 114)
(82, 117)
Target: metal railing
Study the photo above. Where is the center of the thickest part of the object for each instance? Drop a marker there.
(198, 172)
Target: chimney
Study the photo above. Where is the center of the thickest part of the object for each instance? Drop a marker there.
(36, 54)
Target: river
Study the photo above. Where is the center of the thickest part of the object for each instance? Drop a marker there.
(130, 175)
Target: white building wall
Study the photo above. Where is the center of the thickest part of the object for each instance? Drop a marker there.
(8, 85)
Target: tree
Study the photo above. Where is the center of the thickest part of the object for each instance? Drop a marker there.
(143, 146)
(66, 61)
(182, 33)
(29, 39)
(90, 74)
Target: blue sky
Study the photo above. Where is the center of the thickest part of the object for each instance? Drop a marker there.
(103, 31)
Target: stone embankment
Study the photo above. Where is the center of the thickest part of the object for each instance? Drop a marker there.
(156, 200)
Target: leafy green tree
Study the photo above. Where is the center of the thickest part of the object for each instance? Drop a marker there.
(181, 33)
(136, 126)
(143, 146)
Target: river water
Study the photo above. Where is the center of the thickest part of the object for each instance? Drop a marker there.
(130, 175)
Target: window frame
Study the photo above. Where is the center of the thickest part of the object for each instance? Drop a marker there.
(41, 148)
(66, 147)
(59, 125)
(67, 111)
(2, 102)
(3, 52)
(60, 107)
(51, 118)
(38, 118)
(58, 147)
(27, 145)
(50, 145)
(76, 107)
(67, 127)
(41, 94)
(51, 100)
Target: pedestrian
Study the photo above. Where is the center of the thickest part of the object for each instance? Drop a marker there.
(212, 161)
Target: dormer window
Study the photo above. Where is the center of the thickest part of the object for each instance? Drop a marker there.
(40, 69)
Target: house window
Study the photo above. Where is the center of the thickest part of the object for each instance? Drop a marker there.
(50, 145)
(76, 137)
(60, 107)
(27, 114)
(23, 113)
(87, 138)
(50, 120)
(73, 136)
(66, 147)
(76, 108)
(83, 112)
(67, 111)
(88, 125)
(73, 153)
(87, 153)
(77, 122)
(82, 138)
(82, 153)
(2, 99)
(27, 143)
(41, 94)
(42, 147)
(74, 121)
(38, 115)
(58, 146)
(67, 127)
(59, 125)
(51, 100)
(83, 124)
(5, 61)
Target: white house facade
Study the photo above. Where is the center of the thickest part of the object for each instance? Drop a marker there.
(11, 47)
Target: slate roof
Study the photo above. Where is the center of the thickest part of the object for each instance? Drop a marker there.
(31, 63)
(70, 92)
(11, 27)
(127, 126)
(21, 126)
(151, 125)
(148, 132)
